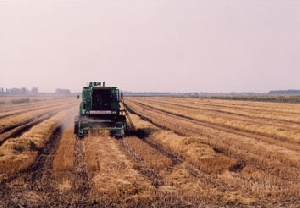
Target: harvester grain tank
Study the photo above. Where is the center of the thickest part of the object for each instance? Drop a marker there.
(101, 109)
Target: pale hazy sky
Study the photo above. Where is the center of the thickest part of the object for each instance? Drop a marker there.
(146, 46)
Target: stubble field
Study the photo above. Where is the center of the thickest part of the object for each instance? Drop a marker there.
(187, 152)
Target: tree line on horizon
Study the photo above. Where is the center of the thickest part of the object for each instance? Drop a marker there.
(284, 92)
(26, 91)
(18, 91)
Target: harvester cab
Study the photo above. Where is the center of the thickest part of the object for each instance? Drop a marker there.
(101, 108)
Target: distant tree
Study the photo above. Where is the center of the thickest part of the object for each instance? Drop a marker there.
(34, 90)
(24, 91)
(285, 92)
(62, 91)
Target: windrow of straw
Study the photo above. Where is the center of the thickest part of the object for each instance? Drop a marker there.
(112, 177)
(278, 123)
(149, 155)
(11, 109)
(19, 153)
(195, 178)
(27, 115)
(254, 168)
(63, 163)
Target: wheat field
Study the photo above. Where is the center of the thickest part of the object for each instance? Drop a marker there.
(185, 152)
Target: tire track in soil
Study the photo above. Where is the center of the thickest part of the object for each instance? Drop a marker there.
(176, 160)
(224, 112)
(278, 140)
(180, 132)
(43, 164)
(243, 107)
(158, 180)
(242, 162)
(19, 130)
(11, 127)
(142, 167)
(81, 185)
(36, 187)
(32, 119)
(19, 112)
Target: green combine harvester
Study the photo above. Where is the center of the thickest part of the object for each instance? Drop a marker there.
(101, 108)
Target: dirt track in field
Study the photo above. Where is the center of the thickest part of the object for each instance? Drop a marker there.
(185, 153)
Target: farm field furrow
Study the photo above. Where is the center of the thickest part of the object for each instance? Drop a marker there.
(244, 106)
(239, 119)
(272, 111)
(112, 177)
(32, 186)
(214, 169)
(18, 130)
(281, 144)
(159, 170)
(18, 153)
(184, 176)
(184, 152)
(21, 128)
(34, 182)
(9, 109)
(252, 144)
(14, 121)
(281, 165)
(283, 130)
